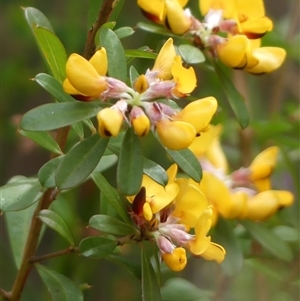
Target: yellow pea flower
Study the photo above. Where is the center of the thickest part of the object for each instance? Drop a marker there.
(176, 260)
(109, 122)
(140, 122)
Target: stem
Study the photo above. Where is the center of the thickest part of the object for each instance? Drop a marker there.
(103, 15)
(68, 250)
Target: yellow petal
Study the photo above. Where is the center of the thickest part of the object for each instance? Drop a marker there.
(269, 59)
(175, 18)
(109, 122)
(185, 78)
(68, 88)
(99, 61)
(227, 6)
(257, 26)
(141, 84)
(84, 77)
(189, 203)
(141, 125)
(155, 8)
(172, 172)
(239, 205)
(147, 212)
(175, 135)
(214, 252)
(176, 261)
(250, 9)
(164, 60)
(198, 113)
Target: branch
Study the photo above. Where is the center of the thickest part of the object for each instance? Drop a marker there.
(66, 251)
(103, 15)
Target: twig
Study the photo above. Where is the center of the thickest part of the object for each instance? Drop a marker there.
(5, 294)
(103, 15)
(66, 251)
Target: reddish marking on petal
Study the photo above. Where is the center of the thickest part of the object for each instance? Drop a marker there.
(82, 97)
(253, 35)
(151, 17)
(139, 201)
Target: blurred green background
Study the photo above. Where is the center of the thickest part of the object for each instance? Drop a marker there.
(273, 102)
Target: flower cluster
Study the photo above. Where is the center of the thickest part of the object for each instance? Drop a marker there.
(168, 214)
(245, 193)
(243, 21)
(136, 106)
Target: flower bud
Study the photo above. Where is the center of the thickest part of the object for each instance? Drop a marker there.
(140, 122)
(176, 260)
(109, 122)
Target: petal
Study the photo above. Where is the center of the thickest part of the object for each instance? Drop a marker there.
(164, 60)
(185, 78)
(239, 205)
(140, 122)
(176, 261)
(83, 76)
(172, 172)
(198, 113)
(269, 59)
(153, 9)
(189, 203)
(141, 84)
(214, 252)
(250, 9)
(256, 28)
(175, 135)
(109, 122)
(68, 88)
(99, 61)
(227, 6)
(147, 211)
(176, 20)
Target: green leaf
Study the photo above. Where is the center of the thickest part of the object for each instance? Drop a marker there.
(80, 161)
(111, 195)
(43, 139)
(106, 162)
(136, 53)
(225, 236)
(56, 115)
(234, 98)
(150, 287)
(187, 161)
(131, 266)
(53, 51)
(124, 32)
(287, 233)
(46, 173)
(155, 171)
(20, 194)
(117, 66)
(158, 29)
(133, 75)
(183, 290)
(111, 225)
(97, 247)
(117, 7)
(36, 17)
(55, 222)
(18, 225)
(269, 240)
(130, 166)
(60, 287)
(191, 54)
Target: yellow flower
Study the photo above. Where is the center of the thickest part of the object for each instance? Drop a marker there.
(176, 260)
(140, 122)
(228, 7)
(201, 245)
(109, 122)
(86, 77)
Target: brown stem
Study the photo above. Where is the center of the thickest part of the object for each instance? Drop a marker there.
(103, 15)
(66, 251)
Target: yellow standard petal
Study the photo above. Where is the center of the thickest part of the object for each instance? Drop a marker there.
(175, 135)
(84, 77)
(109, 122)
(99, 61)
(176, 260)
(227, 6)
(269, 59)
(153, 9)
(164, 60)
(198, 113)
(185, 78)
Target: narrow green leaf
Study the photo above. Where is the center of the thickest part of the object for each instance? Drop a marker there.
(36, 17)
(44, 139)
(287, 233)
(111, 195)
(133, 75)
(179, 289)
(117, 66)
(53, 51)
(191, 54)
(111, 225)
(124, 32)
(118, 4)
(187, 161)
(55, 222)
(60, 287)
(131, 266)
(155, 171)
(234, 98)
(150, 287)
(56, 115)
(105, 206)
(80, 161)
(46, 173)
(269, 240)
(97, 247)
(20, 194)
(225, 236)
(130, 166)
(18, 225)
(158, 29)
(136, 53)
(106, 162)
